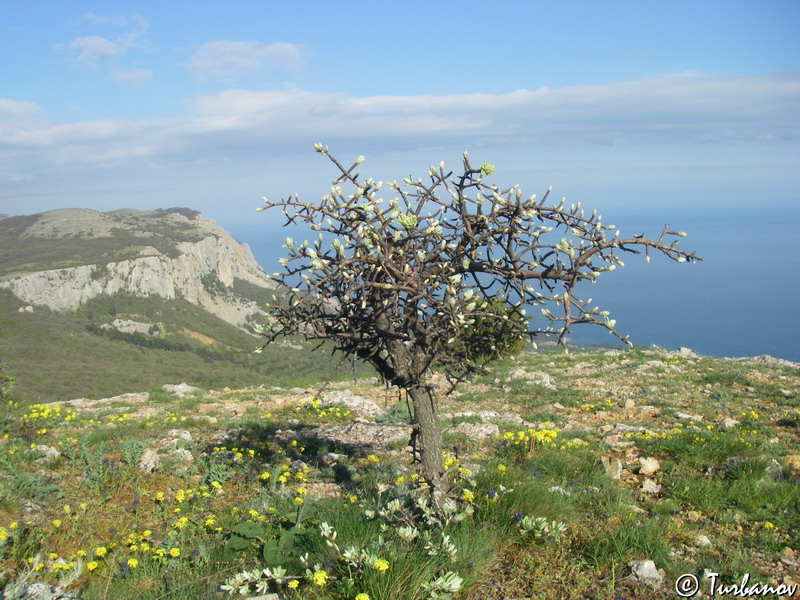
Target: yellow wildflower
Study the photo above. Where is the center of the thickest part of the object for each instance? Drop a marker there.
(319, 578)
(380, 564)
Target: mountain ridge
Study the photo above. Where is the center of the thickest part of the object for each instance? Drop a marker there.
(164, 252)
(96, 304)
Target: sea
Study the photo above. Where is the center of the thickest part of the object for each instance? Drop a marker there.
(741, 300)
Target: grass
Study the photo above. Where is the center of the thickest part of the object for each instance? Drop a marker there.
(48, 346)
(534, 513)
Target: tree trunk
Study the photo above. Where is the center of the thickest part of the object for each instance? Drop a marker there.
(430, 441)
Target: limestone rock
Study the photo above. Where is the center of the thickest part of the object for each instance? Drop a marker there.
(364, 433)
(793, 462)
(688, 417)
(702, 541)
(182, 455)
(644, 572)
(649, 466)
(477, 431)
(48, 452)
(613, 466)
(149, 461)
(650, 487)
(128, 326)
(537, 377)
(181, 390)
(727, 423)
(351, 401)
(216, 256)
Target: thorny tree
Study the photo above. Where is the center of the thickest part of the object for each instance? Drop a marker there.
(401, 283)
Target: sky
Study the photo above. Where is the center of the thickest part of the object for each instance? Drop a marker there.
(651, 112)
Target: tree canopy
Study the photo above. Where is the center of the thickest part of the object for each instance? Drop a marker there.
(416, 275)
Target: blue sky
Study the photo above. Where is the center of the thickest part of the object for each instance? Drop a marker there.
(675, 112)
(213, 105)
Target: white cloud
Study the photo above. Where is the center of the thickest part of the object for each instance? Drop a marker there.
(682, 109)
(136, 22)
(679, 108)
(106, 52)
(226, 60)
(132, 77)
(92, 49)
(15, 109)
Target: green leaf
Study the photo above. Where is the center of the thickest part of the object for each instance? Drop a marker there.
(248, 529)
(236, 542)
(287, 541)
(272, 553)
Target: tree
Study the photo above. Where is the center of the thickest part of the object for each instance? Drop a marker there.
(445, 266)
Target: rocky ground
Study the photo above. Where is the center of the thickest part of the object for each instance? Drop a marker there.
(613, 401)
(620, 405)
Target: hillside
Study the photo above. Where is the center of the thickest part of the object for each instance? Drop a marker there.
(63, 258)
(94, 304)
(598, 474)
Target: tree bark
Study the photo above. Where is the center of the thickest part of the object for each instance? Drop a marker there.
(430, 439)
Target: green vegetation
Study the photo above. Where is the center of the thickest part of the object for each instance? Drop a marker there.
(60, 357)
(530, 512)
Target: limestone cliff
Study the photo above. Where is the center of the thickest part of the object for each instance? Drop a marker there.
(173, 253)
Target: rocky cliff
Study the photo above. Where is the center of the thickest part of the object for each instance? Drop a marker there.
(172, 253)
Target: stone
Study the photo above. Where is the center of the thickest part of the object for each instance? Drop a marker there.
(329, 459)
(149, 461)
(694, 516)
(47, 451)
(644, 572)
(613, 466)
(182, 455)
(727, 423)
(179, 434)
(702, 541)
(351, 401)
(630, 404)
(181, 390)
(649, 466)
(650, 487)
(477, 431)
(364, 433)
(536, 378)
(40, 591)
(793, 462)
(687, 417)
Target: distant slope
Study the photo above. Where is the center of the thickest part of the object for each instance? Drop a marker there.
(56, 356)
(63, 258)
(95, 304)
